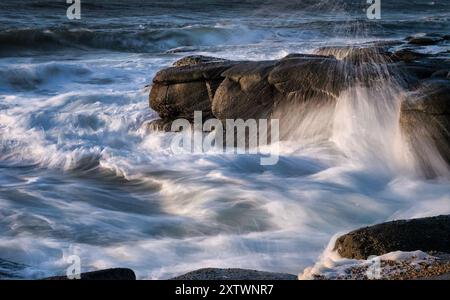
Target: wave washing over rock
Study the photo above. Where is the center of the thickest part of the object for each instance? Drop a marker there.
(390, 250)
(363, 109)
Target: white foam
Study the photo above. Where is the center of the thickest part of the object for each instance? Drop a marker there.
(331, 265)
(163, 214)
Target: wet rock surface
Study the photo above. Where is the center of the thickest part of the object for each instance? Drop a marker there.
(426, 234)
(250, 89)
(225, 89)
(233, 274)
(187, 87)
(430, 267)
(246, 89)
(425, 118)
(425, 40)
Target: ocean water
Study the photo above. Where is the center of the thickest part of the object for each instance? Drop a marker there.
(79, 175)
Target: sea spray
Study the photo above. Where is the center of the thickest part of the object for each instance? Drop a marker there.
(140, 206)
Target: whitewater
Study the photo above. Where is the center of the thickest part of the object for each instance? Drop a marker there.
(80, 174)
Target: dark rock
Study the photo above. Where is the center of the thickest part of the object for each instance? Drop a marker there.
(419, 71)
(426, 234)
(415, 72)
(180, 100)
(245, 92)
(406, 55)
(424, 40)
(109, 274)
(226, 89)
(192, 73)
(444, 73)
(179, 91)
(242, 89)
(196, 60)
(425, 118)
(432, 98)
(308, 75)
(233, 274)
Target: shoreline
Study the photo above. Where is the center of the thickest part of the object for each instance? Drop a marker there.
(215, 86)
(412, 263)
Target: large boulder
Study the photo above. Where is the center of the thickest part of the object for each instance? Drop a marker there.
(242, 89)
(245, 92)
(298, 83)
(306, 76)
(426, 234)
(188, 86)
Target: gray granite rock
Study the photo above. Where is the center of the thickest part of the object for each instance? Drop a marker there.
(425, 234)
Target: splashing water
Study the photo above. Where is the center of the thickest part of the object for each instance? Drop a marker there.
(79, 175)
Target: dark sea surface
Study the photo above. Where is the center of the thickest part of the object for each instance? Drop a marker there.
(80, 175)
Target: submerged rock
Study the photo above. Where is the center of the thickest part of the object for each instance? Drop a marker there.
(108, 274)
(424, 40)
(406, 55)
(233, 274)
(426, 234)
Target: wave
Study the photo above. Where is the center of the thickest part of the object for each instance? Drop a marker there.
(159, 38)
(199, 209)
(127, 40)
(25, 77)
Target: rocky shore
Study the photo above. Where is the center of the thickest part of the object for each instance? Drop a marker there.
(225, 89)
(415, 265)
(405, 250)
(201, 274)
(427, 234)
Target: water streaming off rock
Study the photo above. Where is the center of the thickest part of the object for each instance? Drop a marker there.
(79, 174)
